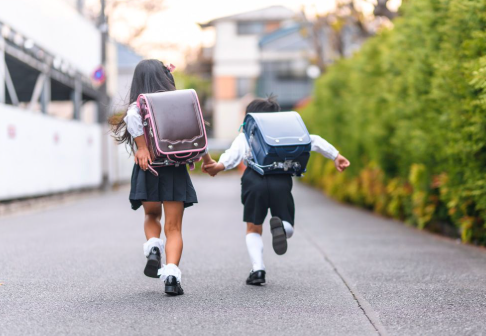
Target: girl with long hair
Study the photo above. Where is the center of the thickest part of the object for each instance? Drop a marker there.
(172, 189)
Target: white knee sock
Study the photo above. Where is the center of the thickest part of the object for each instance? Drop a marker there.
(289, 229)
(254, 244)
(153, 242)
(170, 269)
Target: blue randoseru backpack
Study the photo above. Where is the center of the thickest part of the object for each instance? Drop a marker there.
(279, 143)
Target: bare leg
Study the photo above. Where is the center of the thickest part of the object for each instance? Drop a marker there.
(252, 228)
(173, 231)
(153, 213)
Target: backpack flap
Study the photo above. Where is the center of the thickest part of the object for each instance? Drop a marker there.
(282, 128)
(279, 142)
(177, 122)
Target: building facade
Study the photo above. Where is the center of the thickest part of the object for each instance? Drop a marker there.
(237, 63)
(285, 56)
(271, 51)
(48, 103)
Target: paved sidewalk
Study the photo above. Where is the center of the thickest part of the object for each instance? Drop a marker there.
(78, 269)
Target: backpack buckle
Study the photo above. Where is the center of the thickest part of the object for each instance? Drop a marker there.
(287, 165)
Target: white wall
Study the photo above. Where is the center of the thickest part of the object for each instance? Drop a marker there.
(120, 164)
(46, 155)
(120, 99)
(56, 26)
(235, 55)
(228, 116)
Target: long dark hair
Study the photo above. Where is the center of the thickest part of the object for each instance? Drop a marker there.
(150, 76)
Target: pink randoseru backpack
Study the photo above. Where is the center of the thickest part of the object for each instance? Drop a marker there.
(173, 128)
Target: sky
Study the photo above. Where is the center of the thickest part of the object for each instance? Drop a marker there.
(175, 30)
(181, 17)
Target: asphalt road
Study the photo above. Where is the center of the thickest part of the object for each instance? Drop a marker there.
(77, 269)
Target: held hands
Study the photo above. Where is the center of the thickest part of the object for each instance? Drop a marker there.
(208, 165)
(341, 163)
(142, 158)
(212, 168)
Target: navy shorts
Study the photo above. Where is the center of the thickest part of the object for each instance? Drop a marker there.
(261, 193)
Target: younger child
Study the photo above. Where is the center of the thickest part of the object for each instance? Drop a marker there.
(260, 193)
(172, 188)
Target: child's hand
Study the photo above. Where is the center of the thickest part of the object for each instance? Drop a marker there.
(207, 164)
(341, 163)
(207, 159)
(142, 158)
(213, 168)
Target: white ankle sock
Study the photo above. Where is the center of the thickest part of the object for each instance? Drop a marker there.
(254, 244)
(170, 269)
(153, 242)
(289, 229)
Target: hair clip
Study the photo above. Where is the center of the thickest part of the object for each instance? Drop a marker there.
(171, 67)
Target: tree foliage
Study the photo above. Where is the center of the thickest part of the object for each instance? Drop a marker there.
(409, 111)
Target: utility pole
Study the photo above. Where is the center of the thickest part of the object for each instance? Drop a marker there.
(104, 101)
(80, 6)
(2, 70)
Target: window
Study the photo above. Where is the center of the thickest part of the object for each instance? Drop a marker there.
(250, 27)
(290, 70)
(244, 86)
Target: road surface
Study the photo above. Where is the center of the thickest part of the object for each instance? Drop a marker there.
(77, 269)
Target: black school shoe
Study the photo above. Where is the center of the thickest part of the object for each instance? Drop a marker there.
(256, 278)
(172, 286)
(279, 237)
(153, 263)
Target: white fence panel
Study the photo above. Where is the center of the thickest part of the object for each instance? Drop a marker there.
(41, 155)
(120, 163)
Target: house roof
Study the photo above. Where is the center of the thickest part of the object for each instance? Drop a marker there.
(295, 37)
(127, 57)
(279, 33)
(272, 13)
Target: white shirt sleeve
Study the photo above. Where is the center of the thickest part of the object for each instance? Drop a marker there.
(232, 157)
(133, 119)
(323, 147)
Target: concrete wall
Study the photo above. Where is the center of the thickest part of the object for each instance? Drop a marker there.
(42, 155)
(58, 27)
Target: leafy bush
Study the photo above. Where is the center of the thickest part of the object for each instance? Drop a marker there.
(408, 110)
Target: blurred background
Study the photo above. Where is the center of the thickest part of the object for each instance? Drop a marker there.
(398, 88)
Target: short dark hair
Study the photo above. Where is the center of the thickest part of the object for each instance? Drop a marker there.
(263, 105)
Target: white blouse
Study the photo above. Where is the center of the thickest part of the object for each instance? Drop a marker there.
(236, 153)
(133, 119)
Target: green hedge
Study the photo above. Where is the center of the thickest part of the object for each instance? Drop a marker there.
(409, 111)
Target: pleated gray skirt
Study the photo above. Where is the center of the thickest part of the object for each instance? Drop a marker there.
(172, 184)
